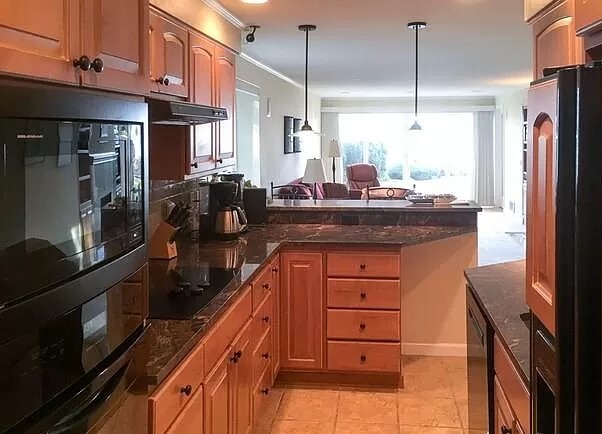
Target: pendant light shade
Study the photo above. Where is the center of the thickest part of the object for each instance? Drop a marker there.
(416, 26)
(306, 130)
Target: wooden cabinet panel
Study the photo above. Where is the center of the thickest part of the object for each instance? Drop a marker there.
(363, 264)
(541, 204)
(301, 310)
(218, 412)
(533, 7)
(169, 56)
(555, 43)
(588, 15)
(202, 91)
(242, 382)
(263, 318)
(225, 72)
(262, 356)
(227, 328)
(502, 412)
(190, 420)
(262, 286)
(364, 356)
(369, 325)
(261, 394)
(364, 294)
(40, 39)
(176, 391)
(275, 267)
(116, 32)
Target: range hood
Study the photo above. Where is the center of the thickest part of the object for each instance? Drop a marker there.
(164, 112)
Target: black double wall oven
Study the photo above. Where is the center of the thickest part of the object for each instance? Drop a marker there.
(73, 201)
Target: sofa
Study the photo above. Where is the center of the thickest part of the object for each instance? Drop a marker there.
(297, 189)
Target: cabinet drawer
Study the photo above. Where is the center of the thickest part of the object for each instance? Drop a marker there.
(226, 329)
(364, 294)
(190, 420)
(261, 393)
(262, 318)
(370, 325)
(262, 286)
(262, 357)
(171, 397)
(510, 381)
(364, 356)
(363, 264)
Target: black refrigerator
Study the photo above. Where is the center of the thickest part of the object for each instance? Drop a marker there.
(564, 250)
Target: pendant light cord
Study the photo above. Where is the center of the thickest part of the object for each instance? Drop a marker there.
(416, 79)
(306, 69)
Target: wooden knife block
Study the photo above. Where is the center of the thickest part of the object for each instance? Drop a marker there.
(162, 245)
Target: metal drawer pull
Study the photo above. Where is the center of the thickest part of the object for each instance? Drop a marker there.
(363, 358)
(266, 355)
(186, 390)
(362, 267)
(362, 326)
(265, 391)
(363, 295)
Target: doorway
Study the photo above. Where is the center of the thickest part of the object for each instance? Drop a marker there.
(247, 134)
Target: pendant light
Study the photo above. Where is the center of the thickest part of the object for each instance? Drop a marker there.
(306, 129)
(416, 26)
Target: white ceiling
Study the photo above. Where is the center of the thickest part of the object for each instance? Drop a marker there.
(471, 47)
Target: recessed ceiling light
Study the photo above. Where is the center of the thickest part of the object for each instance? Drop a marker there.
(255, 2)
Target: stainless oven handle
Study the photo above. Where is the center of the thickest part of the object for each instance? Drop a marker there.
(477, 327)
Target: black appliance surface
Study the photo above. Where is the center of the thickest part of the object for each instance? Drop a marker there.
(221, 195)
(182, 292)
(165, 112)
(52, 374)
(479, 337)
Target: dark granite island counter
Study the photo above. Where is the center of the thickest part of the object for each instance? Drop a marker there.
(425, 248)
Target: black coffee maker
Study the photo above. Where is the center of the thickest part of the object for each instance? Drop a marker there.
(226, 219)
(239, 179)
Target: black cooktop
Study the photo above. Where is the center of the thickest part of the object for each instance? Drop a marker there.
(182, 292)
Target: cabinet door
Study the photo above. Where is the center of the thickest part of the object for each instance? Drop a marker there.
(169, 56)
(533, 7)
(202, 91)
(301, 310)
(217, 398)
(242, 382)
(38, 38)
(588, 15)
(190, 420)
(541, 204)
(116, 32)
(276, 316)
(225, 71)
(502, 413)
(555, 41)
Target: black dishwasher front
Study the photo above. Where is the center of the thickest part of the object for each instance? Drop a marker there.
(479, 338)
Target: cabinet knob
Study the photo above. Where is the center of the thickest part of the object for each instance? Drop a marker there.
(266, 286)
(362, 326)
(266, 355)
(236, 356)
(363, 295)
(505, 430)
(163, 80)
(98, 65)
(362, 267)
(186, 390)
(265, 391)
(275, 270)
(266, 319)
(83, 63)
(363, 358)
(219, 160)
(195, 165)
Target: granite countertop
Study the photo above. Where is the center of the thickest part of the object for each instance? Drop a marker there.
(170, 341)
(500, 292)
(333, 205)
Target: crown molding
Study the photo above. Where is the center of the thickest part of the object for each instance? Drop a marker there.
(270, 70)
(225, 13)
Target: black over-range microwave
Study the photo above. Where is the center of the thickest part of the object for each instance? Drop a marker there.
(73, 207)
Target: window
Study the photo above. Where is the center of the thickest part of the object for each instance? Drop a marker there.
(438, 159)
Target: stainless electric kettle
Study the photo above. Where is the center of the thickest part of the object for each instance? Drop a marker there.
(230, 222)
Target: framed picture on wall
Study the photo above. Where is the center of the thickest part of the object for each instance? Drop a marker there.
(288, 134)
(296, 140)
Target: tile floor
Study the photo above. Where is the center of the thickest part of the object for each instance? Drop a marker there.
(434, 401)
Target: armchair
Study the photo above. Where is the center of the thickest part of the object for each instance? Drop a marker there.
(360, 176)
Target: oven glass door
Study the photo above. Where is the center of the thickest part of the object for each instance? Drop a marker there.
(71, 199)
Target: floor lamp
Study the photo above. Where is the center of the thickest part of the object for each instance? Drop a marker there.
(334, 151)
(314, 173)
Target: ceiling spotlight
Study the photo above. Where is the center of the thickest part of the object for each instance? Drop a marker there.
(250, 38)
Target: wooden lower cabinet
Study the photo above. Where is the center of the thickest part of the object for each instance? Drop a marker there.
(301, 310)
(241, 383)
(218, 398)
(503, 417)
(190, 420)
(275, 266)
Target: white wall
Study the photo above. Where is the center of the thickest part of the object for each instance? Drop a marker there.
(287, 99)
(509, 107)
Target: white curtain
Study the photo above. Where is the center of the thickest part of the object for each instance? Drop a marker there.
(330, 131)
(488, 178)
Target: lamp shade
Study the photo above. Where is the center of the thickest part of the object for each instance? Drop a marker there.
(334, 150)
(314, 171)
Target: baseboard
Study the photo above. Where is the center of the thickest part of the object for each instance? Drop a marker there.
(452, 350)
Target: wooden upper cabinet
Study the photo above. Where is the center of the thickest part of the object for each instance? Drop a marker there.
(301, 311)
(541, 203)
(533, 7)
(588, 16)
(39, 38)
(225, 71)
(169, 51)
(116, 32)
(555, 42)
(202, 91)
